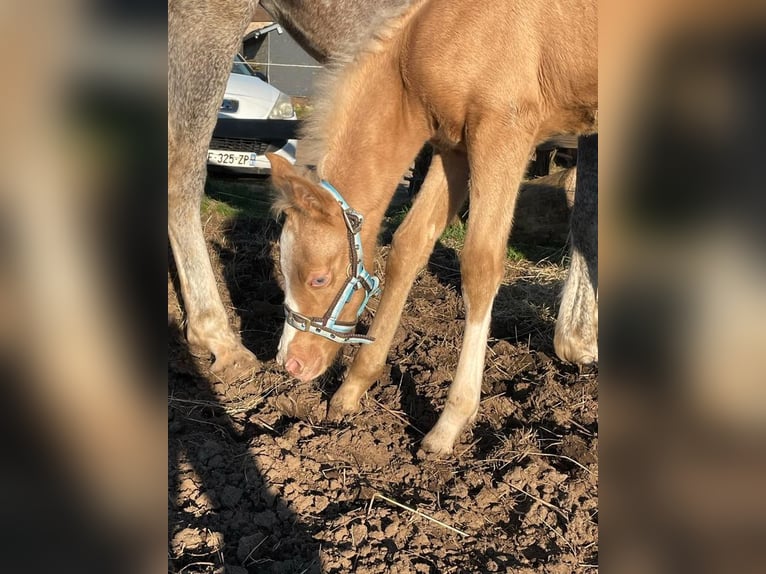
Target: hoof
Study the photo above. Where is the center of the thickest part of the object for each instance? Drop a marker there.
(435, 445)
(576, 337)
(340, 407)
(424, 455)
(575, 350)
(235, 365)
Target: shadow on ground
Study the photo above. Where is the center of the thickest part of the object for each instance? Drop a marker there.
(261, 482)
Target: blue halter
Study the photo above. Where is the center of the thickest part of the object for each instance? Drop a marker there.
(328, 326)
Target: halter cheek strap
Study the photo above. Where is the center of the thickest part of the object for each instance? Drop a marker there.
(328, 326)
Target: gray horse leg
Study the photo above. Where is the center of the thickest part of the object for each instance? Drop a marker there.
(576, 337)
(202, 39)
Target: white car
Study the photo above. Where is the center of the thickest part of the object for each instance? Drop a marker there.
(241, 146)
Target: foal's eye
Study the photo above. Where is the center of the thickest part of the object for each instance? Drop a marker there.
(319, 281)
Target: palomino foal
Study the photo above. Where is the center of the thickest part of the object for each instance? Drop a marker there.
(484, 82)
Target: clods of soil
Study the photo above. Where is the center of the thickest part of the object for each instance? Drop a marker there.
(259, 481)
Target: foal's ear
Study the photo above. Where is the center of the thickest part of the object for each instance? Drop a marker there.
(295, 191)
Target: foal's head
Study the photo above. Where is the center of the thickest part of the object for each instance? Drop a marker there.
(315, 259)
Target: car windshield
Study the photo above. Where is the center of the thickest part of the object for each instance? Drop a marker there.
(241, 67)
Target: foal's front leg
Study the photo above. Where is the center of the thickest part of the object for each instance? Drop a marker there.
(442, 194)
(495, 178)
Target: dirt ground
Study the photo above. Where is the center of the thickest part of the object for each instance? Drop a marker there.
(259, 482)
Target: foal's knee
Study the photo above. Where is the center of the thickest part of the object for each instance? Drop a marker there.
(481, 274)
(409, 248)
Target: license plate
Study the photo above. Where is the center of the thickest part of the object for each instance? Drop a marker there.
(233, 158)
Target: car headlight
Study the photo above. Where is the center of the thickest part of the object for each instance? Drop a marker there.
(283, 108)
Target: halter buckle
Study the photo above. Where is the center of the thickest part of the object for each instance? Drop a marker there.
(354, 220)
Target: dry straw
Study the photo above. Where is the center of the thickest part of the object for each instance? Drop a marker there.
(400, 505)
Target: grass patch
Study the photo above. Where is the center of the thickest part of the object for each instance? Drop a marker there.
(454, 235)
(210, 205)
(539, 253)
(454, 238)
(246, 197)
(395, 219)
(391, 222)
(513, 254)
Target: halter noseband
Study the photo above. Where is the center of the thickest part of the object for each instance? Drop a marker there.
(328, 326)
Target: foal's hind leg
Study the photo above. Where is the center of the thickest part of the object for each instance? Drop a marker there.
(576, 337)
(495, 177)
(442, 194)
(202, 40)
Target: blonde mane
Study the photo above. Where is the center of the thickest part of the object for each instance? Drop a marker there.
(339, 82)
